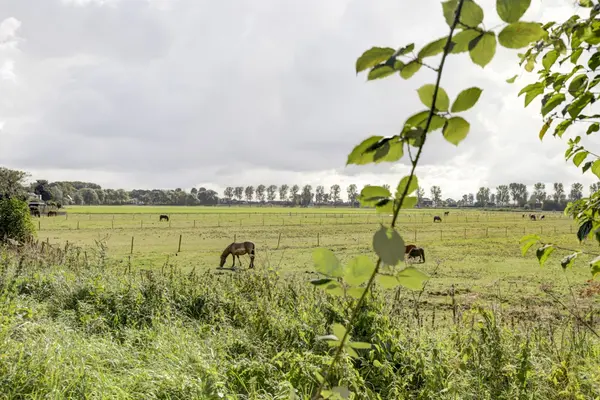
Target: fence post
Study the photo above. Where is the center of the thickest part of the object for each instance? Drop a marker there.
(486, 232)
(141, 224)
(194, 223)
(318, 242)
(39, 225)
(131, 252)
(77, 224)
(465, 233)
(234, 237)
(278, 240)
(112, 224)
(506, 230)
(415, 235)
(179, 247)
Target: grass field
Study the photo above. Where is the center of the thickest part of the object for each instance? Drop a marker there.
(87, 322)
(478, 252)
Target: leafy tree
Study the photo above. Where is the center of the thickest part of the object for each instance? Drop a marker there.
(15, 219)
(352, 191)
(238, 192)
(420, 195)
(493, 198)
(559, 192)
(471, 199)
(207, 196)
(194, 191)
(56, 194)
(436, 195)
(294, 197)
(307, 195)
(89, 196)
(576, 191)
(12, 182)
(335, 191)
(40, 188)
(260, 193)
(539, 192)
(320, 194)
(271, 192)
(518, 192)
(283, 192)
(249, 192)
(228, 193)
(483, 196)
(594, 187)
(503, 195)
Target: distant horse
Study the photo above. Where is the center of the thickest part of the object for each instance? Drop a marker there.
(408, 248)
(523, 215)
(237, 249)
(417, 252)
(446, 213)
(52, 213)
(163, 217)
(543, 217)
(532, 217)
(437, 218)
(35, 212)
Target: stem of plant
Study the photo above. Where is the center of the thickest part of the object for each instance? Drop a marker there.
(397, 206)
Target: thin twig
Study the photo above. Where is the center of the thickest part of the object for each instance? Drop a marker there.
(398, 204)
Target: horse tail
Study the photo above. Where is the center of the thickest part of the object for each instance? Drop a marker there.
(423, 254)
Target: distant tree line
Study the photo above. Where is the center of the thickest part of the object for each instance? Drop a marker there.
(88, 193)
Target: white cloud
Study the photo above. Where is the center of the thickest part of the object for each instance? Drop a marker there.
(175, 93)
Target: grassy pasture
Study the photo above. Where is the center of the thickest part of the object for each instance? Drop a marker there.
(476, 251)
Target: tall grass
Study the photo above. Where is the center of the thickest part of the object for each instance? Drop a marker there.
(78, 325)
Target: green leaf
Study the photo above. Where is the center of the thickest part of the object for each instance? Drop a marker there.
(426, 92)
(359, 154)
(372, 57)
(543, 253)
(420, 120)
(376, 149)
(586, 166)
(579, 104)
(462, 39)
(338, 330)
(595, 266)
(511, 10)
(577, 84)
(456, 130)
(483, 48)
(528, 241)
(471, 13)
(586, 3)
(584, 230)
(359, 345)
(371, 195)
(412, 278)
(358, 270)
(405, 50)
(519, 34)
(319, 282)
(409, 202)
(532, 91)
(333, 288)
(387, 281)
(410, 69)
(466, 99)
(327, 263)
(549, 59)
(545, 128)
(388, 245)
(512, 80)
(579, 157)
(595, 127)
(380, 71)
(328, 337)
(552, 103)
(596, 168)
(433, 48)
(568, 260)
(562, 127)
(594, 61)
(414, 185)
(575, 55)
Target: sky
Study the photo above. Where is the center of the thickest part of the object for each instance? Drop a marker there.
(188, 93)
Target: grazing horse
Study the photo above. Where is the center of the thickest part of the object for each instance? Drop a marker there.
(163, 216)
(52, 213)
(35, 212)
(542, 217)
(417, 252)
(446, 213)
(408, 248)
(523, 215)
(237, 249)
(532, 217)
(437, 218)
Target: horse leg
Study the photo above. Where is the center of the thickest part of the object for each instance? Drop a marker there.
(251, 260)
(239, 260)
(233, 259)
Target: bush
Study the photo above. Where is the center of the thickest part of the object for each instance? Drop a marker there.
(15, 219)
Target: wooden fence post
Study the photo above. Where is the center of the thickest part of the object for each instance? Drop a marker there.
(179, 247)
(278, 240)
(77, 224)
(39, 225)
(131, 252)
(235, 237)
(318, 239)
(415, 235)
(486, 232)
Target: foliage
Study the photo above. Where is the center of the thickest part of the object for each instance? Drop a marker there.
(15, 220)
(12, 182)
(565, 93)
(466, 18)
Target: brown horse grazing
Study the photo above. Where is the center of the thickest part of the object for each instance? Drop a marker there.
(437, 218)
(52, 213)
(237, 249)
(408, 248)
(543, 216)
(417, 252)
(163, 216)
(532, 217)
(446, 213)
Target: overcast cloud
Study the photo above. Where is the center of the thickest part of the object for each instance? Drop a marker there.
(182, 93)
